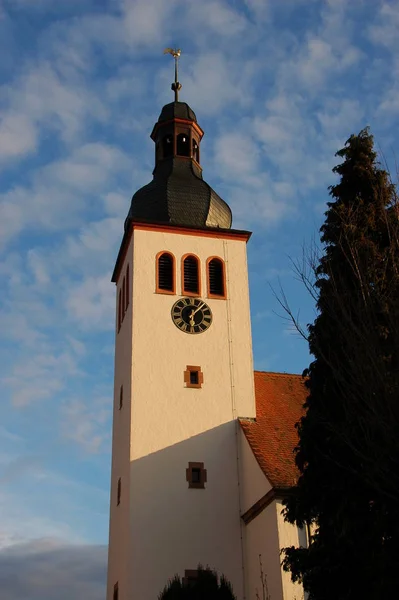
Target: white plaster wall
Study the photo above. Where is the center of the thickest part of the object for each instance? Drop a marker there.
(289, 535)
(173, 528)
(253, 482)
(119, 539)
(262, 538)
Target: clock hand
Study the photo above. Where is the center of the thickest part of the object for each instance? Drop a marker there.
(200, 306)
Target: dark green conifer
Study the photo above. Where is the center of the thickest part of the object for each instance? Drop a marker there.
(205, 586)
(348, 452)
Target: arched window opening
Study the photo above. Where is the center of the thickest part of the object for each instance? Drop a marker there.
(183, 144)
(127, 286)
(119, 310)
(216, 283)
(196, 150)
(166, 273)
(121, 397)
(190, 275)
(167, 145)
(123, 297)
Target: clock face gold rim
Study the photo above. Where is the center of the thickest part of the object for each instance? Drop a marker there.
(191, 315)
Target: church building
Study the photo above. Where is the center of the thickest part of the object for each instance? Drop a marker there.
(203, 446)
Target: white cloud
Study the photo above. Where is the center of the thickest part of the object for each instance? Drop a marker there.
(38, 267)
(87, 422)
(384, 33)
(385, 30)
(273, 95)
(215, 17)
(60, 191)
(39, 377)
(147, 22)
(339, 119)
(237, 154)
(259, 8)
(18, 135)
(20, 524)
(91, 303)
(78, 347)
(41, 96)
(214, 84)
(116, 205)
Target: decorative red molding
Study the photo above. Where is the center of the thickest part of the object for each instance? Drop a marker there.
(216, 296)
(159, 290)
(187, 376)
(186, 292)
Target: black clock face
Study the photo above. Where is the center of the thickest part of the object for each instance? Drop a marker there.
(191, 315)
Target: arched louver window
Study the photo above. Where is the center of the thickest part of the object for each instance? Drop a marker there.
(183, 144)
(166, 273)
(167, 145)
(191, 281)
(195, 150)
(127, 287)
(216, 283)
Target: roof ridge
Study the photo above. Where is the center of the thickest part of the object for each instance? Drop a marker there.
(277, 373)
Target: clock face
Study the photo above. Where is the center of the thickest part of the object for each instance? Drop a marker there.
(191, 315)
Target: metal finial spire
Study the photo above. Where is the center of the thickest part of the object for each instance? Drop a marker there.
(176, 86)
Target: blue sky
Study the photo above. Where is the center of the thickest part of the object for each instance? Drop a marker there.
(277, 85)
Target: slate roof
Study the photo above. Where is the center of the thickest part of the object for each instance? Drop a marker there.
(272, 436)
(179, 196)
(177, 110)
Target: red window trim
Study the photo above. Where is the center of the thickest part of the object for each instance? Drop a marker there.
(183, 291)
(216, 296)
(159, 290)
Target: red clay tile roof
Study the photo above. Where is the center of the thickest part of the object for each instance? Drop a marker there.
(273, 436)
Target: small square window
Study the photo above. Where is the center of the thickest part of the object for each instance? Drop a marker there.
(193, 376)
(196, 475)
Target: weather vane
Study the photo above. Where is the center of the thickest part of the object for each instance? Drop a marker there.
(176, 86)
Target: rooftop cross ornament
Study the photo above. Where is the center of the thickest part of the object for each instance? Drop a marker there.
(176, 86)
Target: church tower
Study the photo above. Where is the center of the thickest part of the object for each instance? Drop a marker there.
(183, 375)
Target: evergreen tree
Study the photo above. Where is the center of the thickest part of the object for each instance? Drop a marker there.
(348, 451)
(206, 586)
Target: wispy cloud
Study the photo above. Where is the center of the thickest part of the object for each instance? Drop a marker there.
(277, 86)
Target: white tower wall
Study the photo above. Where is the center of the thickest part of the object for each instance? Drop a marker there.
(160, 526)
